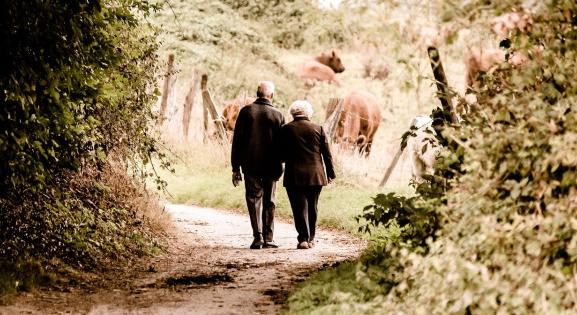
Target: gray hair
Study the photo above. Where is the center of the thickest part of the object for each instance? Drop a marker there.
(265, 89)
(301, 108)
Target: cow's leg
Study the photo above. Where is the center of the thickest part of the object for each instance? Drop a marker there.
(368, 148)
(361, 144)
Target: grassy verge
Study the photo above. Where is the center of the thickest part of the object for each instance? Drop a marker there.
(338, 205)
(203, 178)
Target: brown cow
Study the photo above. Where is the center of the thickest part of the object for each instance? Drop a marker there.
(358, 122)
(322, 68)
(482, 61)
(231, 110)
(487, 61)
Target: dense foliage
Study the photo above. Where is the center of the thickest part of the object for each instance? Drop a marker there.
(76, 85)
(507, 240)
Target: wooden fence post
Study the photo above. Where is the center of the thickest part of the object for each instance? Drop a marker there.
(442, 85)
(166, 89)
(209, 107)
(203, 82)
(334, 109)
(188, 102)
(391, 167)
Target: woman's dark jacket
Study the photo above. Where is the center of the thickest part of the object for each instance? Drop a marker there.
(304, 148)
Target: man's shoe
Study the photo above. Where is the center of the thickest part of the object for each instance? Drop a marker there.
(270, 244)
(256, 244)
(303, 245)
(311, 244)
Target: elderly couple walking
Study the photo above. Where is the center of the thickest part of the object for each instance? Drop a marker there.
(261, 142)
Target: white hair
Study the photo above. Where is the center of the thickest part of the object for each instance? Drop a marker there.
(265, 89)
(301, 108)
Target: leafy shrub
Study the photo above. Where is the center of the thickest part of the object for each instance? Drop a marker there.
(507, 240)
(76, 90)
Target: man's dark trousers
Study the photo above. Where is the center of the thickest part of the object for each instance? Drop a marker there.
(304, 200)
(260, 201)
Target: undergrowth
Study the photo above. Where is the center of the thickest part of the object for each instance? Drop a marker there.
(93, 216)
(76, 115)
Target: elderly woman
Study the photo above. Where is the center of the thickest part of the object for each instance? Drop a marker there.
(304, 148)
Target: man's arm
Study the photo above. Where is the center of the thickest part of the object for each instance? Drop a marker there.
(238, 141)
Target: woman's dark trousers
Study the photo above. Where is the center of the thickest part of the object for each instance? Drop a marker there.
(304, 200)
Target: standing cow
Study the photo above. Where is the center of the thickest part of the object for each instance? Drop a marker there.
(358, 122)
(481, 61)
(322, 68)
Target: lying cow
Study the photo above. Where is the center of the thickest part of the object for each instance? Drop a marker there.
(434, 35)
(374, 68)
(358, 121)
(423, 148)
(322, 68)
(231, 109)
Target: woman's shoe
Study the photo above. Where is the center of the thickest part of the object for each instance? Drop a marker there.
(256, 244)
(303, 245)
(311, 244)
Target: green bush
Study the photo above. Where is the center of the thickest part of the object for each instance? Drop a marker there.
(65, 96)
(76, 88)
(508, 237)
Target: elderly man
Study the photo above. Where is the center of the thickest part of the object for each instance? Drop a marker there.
(305, 149)
(255, 151)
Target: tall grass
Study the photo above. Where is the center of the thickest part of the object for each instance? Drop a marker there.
(203, 177)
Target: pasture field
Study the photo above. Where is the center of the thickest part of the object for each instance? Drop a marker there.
(236, 52)
(202, 167)
(234, 67)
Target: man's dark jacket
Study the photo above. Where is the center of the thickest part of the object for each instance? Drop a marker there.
(304, 148)
(255, 141)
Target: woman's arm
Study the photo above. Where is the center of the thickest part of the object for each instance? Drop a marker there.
(327, 156)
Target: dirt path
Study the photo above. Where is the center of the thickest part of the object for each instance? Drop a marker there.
(208, 269)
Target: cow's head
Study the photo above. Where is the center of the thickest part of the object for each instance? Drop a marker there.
(332, 60)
